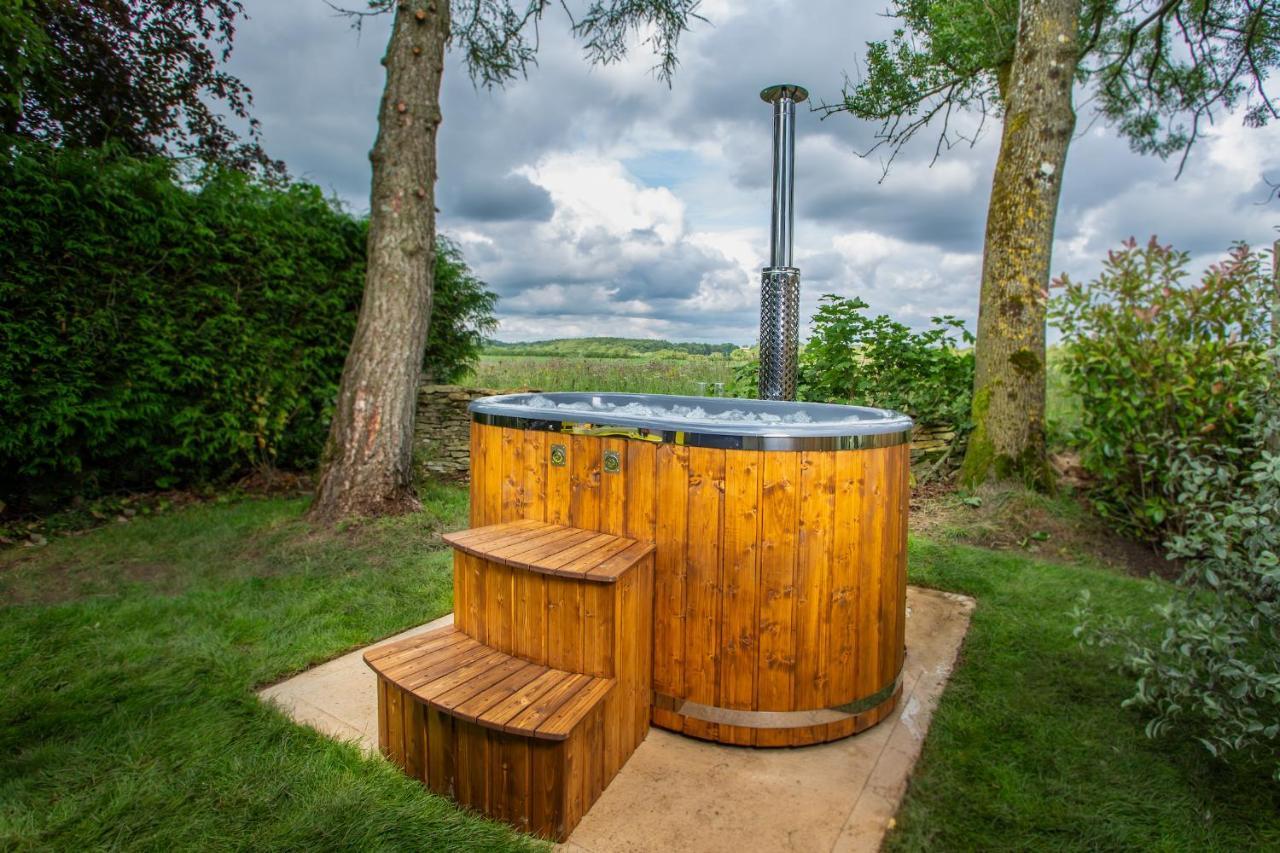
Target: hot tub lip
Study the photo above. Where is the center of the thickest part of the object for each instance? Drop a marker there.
(884, 427)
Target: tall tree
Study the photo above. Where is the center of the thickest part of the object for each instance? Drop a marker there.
(144, 74)
(1156, 70)
(367, 465)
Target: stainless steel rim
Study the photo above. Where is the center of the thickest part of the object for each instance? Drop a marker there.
(776, 719)
(690, 438)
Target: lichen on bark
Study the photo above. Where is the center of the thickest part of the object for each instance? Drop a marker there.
(1008, 407)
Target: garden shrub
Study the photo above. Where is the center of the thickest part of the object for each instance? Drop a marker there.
(851, 357)
(158, 329)
(1214, 672)
(877, 361)
(1162, 368)
(461, 316)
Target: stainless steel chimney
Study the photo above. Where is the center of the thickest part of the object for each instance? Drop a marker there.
(780, 281)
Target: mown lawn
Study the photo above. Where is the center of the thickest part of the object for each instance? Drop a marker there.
(127, 714)
(1030, 749)
(128, 719)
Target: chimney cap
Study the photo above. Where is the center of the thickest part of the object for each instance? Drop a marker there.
(775, 93)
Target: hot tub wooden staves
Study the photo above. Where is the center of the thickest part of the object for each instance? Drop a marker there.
(779, 576)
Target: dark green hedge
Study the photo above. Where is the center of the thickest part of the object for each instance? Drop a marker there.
(156, 331)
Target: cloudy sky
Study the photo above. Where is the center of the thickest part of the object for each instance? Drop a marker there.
(596, 201)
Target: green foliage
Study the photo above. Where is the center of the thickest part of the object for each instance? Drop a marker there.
(146, 75)
(876, 361)
(1158, 96)
(461, 316)
(157, 331)
(25, 50)
(1062, 405)
(956, 48)
(1159, 365)
(498, 39)
(608, 348)
(1157, 69)
(1214, 673)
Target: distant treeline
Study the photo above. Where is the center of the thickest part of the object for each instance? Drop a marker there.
(607, 348)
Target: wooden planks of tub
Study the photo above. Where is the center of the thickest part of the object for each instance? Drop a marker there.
(529, 704)
(779, 575)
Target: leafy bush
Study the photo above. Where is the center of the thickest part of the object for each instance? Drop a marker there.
(461, 317)
(157, 330)
(1214, 674)
(1159, 365)
(877, 361)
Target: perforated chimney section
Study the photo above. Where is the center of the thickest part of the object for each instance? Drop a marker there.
(780, 281)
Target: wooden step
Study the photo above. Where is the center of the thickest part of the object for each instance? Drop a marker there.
(552, 549)
(449, 671)
(529, 704)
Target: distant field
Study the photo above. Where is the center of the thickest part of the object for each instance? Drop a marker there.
(696, 375)
(609, 348)
(693, 375)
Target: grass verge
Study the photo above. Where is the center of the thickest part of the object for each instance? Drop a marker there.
(127, 713)
(1030, 749)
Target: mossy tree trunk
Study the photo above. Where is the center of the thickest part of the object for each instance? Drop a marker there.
(1008, 440)
(368, 461)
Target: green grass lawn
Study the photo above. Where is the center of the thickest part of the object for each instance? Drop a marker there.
(1030, 749)
(127, 712)
(128, 717)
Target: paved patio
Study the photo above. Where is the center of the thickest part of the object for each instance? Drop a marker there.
(676, 793)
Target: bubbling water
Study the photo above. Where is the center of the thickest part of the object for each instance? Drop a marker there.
(673, 412)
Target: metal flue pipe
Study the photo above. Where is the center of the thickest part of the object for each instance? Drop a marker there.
(780, 281)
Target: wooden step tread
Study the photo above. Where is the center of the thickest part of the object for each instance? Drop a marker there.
(552, 549)
(464, 678)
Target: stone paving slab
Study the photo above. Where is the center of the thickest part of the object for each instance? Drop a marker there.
(676, 793)
(339, 698)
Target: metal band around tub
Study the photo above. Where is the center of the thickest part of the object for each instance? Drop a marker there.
(689, 438)
(776, 719)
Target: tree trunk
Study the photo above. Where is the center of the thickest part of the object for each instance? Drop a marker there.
(368, 461)
(1009, 386)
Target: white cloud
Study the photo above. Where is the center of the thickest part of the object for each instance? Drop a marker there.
(592, 192)
(599, 201)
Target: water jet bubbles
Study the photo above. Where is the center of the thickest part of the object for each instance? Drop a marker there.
(746, 413)
(537, 401)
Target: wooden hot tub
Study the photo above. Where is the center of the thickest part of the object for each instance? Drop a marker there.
(780, 533)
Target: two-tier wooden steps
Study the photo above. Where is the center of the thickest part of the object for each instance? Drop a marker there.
(529, 704)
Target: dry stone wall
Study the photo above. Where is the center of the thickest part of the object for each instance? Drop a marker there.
(442, 432)
(930, 442)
